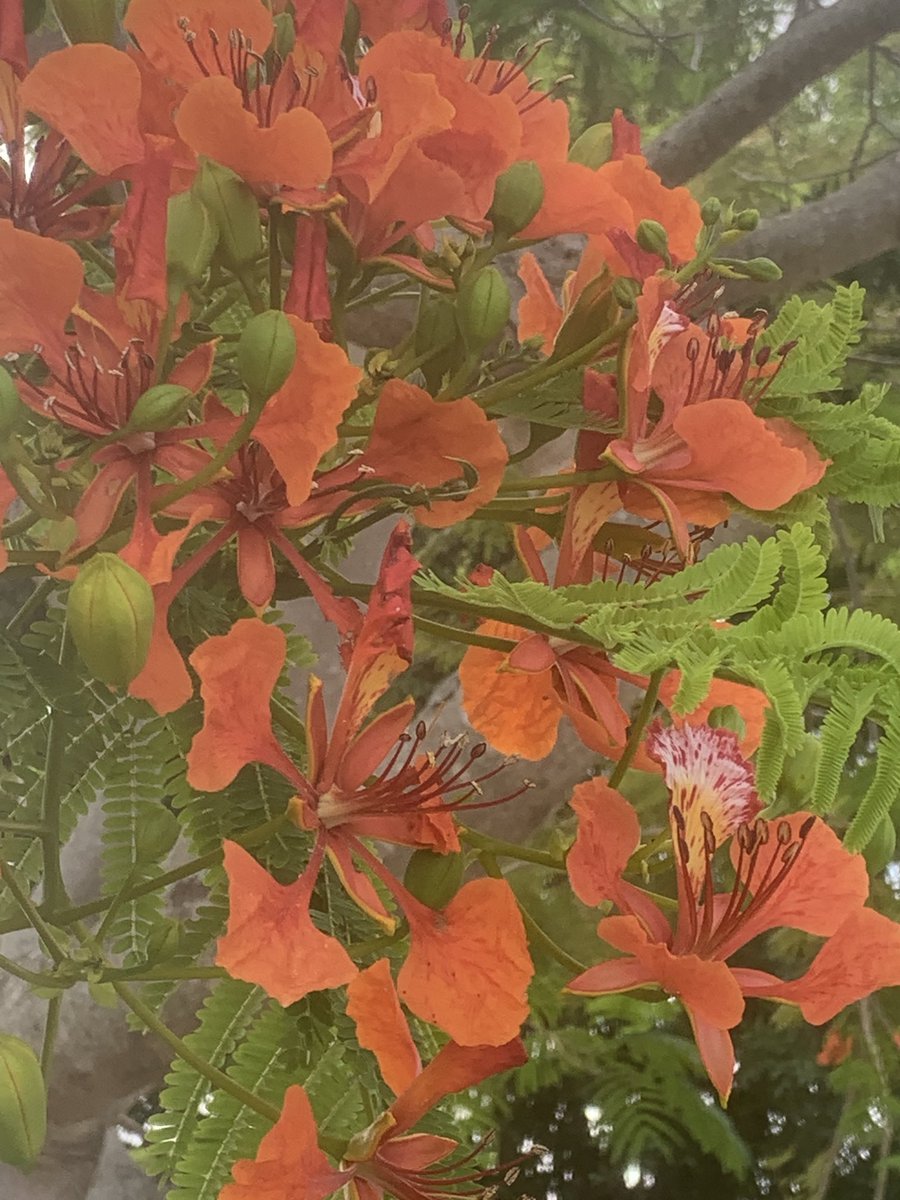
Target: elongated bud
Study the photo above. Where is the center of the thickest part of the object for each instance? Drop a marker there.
(234, 210)
(626, 291)
(191, 238)
(518, 196)
(159, 408)
(880, 850)
(23, 1103)
(110, 614)
(285, 34)
(593, 147)
(482, 307)
(746, 220)
(87, 20)
(156, 832)
(594, 310)
(726, 716)
(763, 270)
(652, 237)
(11, 407)
(266, 353)
(434, 878)
(798, 775)
(711, 212)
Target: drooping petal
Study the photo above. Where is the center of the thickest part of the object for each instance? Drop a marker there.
(415, 1151)
(540, 313)
(140, 235)
(416, 439)
(454, 1068)
(705, 773)
(294, 152)
(271, 939)
(299, 424)
(608, 834)
(862, 956)
(72, 88)
(157, 27)
(40, 280)
(381, 1027)
(517, 711)
(289, 1164)
(238, 673)
(717, 1052)
(823, 888)
(468, 968)
(164, 681)
(256, 569)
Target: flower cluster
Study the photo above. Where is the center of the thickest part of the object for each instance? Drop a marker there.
(194, 392)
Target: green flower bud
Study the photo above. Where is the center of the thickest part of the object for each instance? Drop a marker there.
(87, 20)
(747, 220)
(482, 307)
(11, 407)
(110, 614)
(518, 195)
(595, 309)
(711, 212)
(434, 878)
(798, 776)
(626, 291)
(652, 237)
(155, 833)
(23, 1103)
(880, 849)
(234, 210)
(594, 146)
(191, 238)
(762, 270)
(266, 353)
(159, 408)
(285, 34)
(726, 716)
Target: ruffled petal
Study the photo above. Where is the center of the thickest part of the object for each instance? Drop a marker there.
(468, 967)
(381, 1027)
(540, 313)
(40, 280)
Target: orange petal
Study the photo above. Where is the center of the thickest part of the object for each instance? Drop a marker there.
(155, 25)
(540, 313)
(289, 1164)
(415, 440)
(468, 967)
(238, 673)
(826, 885)
(577, 200)
(649, 199)
(271, 940)
(381, 17)
(717, 1052)
(516, 711)
(299, 424)
(39, 284)
(72, 89)
(319, 24)
(381, 1027)
(862, 956)
(454, 1068)
(734, 451)
(164, 681)
(293, 152)
(256, 567)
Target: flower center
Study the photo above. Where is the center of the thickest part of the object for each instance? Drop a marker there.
(721, 369)
(91, 392)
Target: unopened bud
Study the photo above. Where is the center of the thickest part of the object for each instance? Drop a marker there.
(266, 353)
(158, 408)
(762, 270)
(726, 716)
(593, 147)
(234, 210)
(626, 291)
(285, 34)
(155, 833)
(880, 850)
(482, 307)
(191, 238)
(652, 237)
(434, 878)
(711, 212)
(23, 1103)
(110, 614)
(746, 220)
(11, 407)
(87, 20)
(518, 196)
(798, 775)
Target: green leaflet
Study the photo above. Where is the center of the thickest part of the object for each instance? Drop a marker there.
(825, 335)
(879, 799)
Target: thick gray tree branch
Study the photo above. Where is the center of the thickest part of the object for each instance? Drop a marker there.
(811, 47)
(827, 236)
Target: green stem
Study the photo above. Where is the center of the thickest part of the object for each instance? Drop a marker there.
(51, 797)
(24, 828)
(274, 255)
(493, 846)
(572, 479)
(248, 283)
(638, 725)
(380, 294)
(98, 258)
(535, 933)
(163, 342)
(217, 308)
(216, 1077)
(37, 504)
(31, 914)
(117, 901)
(35, 978)
(215, 464)
(19, 525)
(166, 974)
(51, 1029)
(449, 633)
(20, 619)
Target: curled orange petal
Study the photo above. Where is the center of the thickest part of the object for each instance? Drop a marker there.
(381, 1027)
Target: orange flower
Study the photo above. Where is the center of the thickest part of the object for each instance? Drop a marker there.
(386, 1158)
(381, 17)
(791, 872)
(344, 797)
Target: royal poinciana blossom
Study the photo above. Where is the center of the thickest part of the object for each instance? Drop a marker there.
(788, 872)
(214, 210)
